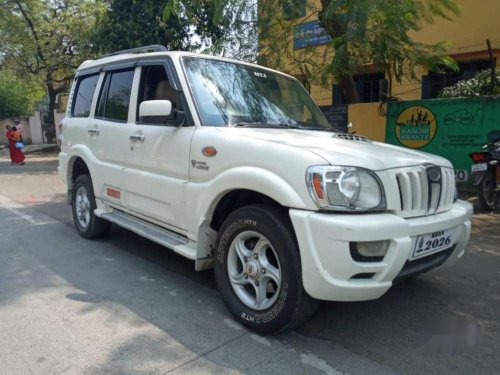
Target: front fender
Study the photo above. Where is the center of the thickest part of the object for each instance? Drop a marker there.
(204, 197)
(208, 194)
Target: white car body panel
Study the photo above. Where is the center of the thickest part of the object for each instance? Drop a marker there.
(167, 180)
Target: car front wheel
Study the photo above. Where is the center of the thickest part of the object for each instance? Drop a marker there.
(258, 270)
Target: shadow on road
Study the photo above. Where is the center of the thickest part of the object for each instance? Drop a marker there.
(443, 322)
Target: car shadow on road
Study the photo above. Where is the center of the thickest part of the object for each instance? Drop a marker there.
(439, 322)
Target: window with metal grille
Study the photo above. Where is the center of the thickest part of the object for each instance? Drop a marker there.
(435, 82)
(368, 85)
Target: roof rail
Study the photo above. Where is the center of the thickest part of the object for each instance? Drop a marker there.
(144, 49)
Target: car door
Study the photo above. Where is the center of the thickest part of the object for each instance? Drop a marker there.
(108, 130)
(158, 162)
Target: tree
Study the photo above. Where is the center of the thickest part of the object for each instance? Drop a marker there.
(220, 27)
(361, 32)
(47, 39)
(17, 96)
(134, 23)
(479, 85)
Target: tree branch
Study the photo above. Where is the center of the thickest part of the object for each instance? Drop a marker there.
(31, 26)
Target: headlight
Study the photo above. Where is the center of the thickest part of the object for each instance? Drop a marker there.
(345, 188)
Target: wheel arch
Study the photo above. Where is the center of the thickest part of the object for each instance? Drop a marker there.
(79, 161)
(76, 167)
(234, 189)
(234, 199)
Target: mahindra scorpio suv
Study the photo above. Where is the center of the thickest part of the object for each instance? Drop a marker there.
(234, 166)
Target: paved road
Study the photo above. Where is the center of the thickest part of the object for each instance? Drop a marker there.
(124, 305)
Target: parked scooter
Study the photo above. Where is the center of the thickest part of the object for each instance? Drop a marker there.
(486, 174)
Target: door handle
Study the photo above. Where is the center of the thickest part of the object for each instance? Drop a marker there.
(137, 137)
(95, 131)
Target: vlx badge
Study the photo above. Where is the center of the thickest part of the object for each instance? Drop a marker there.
(199, 165)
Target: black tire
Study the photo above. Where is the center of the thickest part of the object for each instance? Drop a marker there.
(96, 227)
(488, 196)
(293, 305)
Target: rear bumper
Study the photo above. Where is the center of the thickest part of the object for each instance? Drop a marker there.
(62, 169)
(327, 265)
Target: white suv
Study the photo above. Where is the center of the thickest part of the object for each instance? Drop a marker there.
(232, 165)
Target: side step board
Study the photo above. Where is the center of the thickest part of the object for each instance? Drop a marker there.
(160, 235)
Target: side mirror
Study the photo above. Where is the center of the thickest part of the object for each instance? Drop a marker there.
(155, 111)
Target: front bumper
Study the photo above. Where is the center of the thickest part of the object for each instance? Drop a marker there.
(327, 265)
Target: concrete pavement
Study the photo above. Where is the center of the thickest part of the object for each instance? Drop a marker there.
(124, 305)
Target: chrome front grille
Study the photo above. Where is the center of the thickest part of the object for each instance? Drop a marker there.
(420, 196)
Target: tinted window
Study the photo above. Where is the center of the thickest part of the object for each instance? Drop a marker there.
(83, 95)
(115, 95)
(101, 103)
(154, 84)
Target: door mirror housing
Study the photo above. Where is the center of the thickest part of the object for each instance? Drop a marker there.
(155, 111)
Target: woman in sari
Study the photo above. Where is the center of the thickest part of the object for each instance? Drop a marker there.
(16, 155)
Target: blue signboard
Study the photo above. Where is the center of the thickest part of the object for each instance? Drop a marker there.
(309, 34)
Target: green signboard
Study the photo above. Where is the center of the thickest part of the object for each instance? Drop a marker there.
(451, 128)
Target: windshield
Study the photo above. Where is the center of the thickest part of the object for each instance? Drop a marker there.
(230, 94)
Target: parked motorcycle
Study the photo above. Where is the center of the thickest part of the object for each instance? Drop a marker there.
(486, 174)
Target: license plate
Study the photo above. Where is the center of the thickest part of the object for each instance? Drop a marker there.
(433, 242)
(481, 167)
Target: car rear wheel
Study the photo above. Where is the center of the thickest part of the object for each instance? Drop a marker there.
(258, 270)
(83, 205)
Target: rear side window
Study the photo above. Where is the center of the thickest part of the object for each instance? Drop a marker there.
(83, 95)
(114, 99)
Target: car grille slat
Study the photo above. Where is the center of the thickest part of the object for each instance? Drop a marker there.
(446, 186)
(424, 188)
(416, 196)
(405, 191)
(419, 196)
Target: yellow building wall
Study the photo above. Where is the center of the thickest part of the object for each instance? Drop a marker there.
(366, 120)
(465, 34)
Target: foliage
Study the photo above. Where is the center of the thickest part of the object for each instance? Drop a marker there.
(47, 39)
(17, 96)
(221, 27)
(134, 23)
(479, 85)
(362, 32)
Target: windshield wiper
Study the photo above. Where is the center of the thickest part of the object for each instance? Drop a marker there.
(318, 128)
(314, 126)
(258, 124)
(247, 124)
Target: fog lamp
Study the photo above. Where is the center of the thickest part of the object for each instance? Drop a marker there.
(372, 248)
(369, 252)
